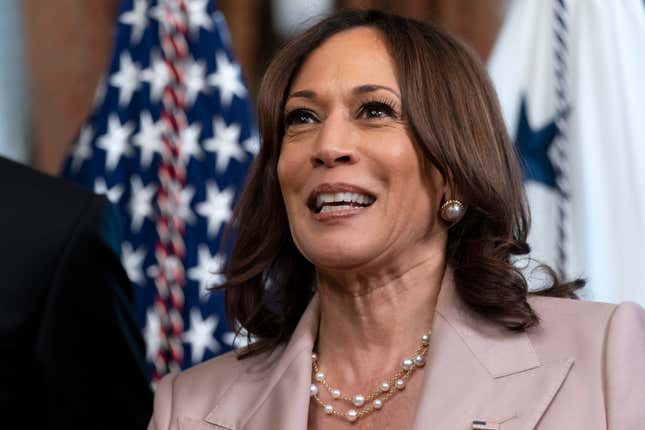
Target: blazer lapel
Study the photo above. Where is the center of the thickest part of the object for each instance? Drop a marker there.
(480, 375)
(273, 393)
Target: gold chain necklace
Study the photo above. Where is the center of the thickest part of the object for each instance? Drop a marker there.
(363, 405)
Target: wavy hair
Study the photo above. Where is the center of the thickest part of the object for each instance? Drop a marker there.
(455, 122)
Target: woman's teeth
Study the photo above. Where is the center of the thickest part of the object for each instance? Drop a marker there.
(341, 201)
(335, 208)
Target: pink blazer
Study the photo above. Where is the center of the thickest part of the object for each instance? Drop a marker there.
(583, 367)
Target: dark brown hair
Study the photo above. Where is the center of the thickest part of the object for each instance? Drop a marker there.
(454, 119)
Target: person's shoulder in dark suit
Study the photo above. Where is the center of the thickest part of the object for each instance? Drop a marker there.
(70, 352)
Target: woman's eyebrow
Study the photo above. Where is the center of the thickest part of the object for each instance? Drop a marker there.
(369, 88)
(361, 89)
(307, 94)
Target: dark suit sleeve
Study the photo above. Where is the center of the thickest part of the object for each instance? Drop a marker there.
(88, 351)
(71, 355)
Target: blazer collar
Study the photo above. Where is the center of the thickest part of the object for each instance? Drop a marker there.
(476, 370)
(500, 352)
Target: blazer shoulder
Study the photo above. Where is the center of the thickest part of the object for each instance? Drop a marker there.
(626, 329)
(607, 343)
(197, 390)
(211, 375)
(583, 311)
(579, 328)
(30, 190)
(70, 210)
(624, 368)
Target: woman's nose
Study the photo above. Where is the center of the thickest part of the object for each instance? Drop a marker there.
(335, 145)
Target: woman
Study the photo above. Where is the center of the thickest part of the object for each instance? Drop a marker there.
(373, 260)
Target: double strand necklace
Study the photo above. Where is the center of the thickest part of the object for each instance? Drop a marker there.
(361, 405)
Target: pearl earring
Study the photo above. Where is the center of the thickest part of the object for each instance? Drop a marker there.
(452, 211)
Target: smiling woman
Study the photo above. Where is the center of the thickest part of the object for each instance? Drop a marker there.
(373, 259)
(366, 91)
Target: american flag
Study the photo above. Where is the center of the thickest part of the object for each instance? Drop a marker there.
(169, 141)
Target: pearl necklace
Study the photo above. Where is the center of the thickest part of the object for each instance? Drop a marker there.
(364, 405)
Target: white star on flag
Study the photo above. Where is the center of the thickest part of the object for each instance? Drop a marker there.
(113, 194)
(201, 335)
(237, 340)
(157, 12)
(225, 142)
(137, 19)
(252, 144)
(140, 205)
(190, 147)
(115, 141)
(152, 335)
(132, 262)
(195, 80)
(126, 79)
(227, 78)
(216, 208)
(207, 272)
(198, 16)
(83, 149)
(157, 76)
(149, 138)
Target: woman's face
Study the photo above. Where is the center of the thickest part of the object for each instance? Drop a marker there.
(354, 188)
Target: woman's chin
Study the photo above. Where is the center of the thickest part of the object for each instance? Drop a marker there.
(341, 258)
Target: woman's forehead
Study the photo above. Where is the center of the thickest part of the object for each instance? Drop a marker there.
(347, 60)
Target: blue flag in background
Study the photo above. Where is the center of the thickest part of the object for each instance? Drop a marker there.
(569, 75)
(169, 141)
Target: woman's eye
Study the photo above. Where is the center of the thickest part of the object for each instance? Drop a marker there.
(376, 110)
(299, 116)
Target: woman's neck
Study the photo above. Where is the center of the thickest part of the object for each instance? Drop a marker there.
(369, 323)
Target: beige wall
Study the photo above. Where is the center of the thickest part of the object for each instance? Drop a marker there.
(475, 22)
(67, 49)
